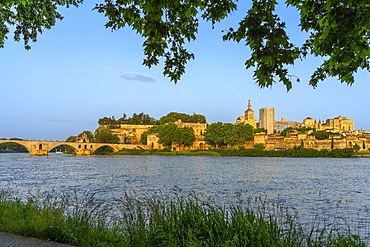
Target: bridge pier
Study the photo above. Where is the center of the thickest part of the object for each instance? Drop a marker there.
(39, 153)
(83, 152)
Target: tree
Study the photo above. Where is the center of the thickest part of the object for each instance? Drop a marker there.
(185, 118)
(71, 139)
(166, 134)
(185, 136)
(338, 32)
(259, 147)
(105, 135)
(89, 134)
(144, 138)
(321, 135)
(29, 17)
(244, 132)
(214, 134)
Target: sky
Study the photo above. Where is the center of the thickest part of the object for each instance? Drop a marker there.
(79, 71)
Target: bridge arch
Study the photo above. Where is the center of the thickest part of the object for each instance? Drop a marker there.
(99, 146)
(51, 147)
(19, 143)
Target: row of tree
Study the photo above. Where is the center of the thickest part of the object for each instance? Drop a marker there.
(136, 119)
(319, 134)
(145, 119)
(170, 133)
(227, 134)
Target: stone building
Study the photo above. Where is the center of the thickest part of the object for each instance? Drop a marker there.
(267, 119)
(248, 117)
(129, 133)
(309, 122)
(280, 125)
(337, 124)
(276, 142)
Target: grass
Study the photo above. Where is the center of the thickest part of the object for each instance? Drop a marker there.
(159, 221)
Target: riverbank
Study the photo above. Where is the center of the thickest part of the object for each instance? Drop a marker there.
(297, 152)
(158, 220)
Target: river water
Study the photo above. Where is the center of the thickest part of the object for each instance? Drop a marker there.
(319, 188)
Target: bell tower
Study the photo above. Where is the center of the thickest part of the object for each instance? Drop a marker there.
(249, 113)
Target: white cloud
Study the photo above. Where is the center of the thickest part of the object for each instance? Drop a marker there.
(136, 77)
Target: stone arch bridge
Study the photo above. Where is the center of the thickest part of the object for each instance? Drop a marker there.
(42, 148)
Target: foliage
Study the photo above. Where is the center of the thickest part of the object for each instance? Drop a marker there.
(143, 138)
(170, 133)
(185, 118)
(159, 220)
(89, 134)
(105, 135)
(136, 119)
(259, 151)
(227, 134)
(338, 32)
(321, 135)
(185, 136)
(29, 18)
(271, 52)
(356, 148)
(11, 147)
(71, 139)
(305, 130)
(260, 130)
(259, 147)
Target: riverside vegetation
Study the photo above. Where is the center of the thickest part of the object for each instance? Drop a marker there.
(160, 220)
(257, 151)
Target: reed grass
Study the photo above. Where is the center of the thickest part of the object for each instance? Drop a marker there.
(158, 220)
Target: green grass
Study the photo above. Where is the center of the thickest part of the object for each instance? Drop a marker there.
(159, 221)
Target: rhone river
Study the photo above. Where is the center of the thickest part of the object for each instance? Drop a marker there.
(325, 188)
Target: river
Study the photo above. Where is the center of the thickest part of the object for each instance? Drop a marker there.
(327, 189)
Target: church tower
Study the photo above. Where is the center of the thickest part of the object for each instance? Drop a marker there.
(249, 113)
(248, 117)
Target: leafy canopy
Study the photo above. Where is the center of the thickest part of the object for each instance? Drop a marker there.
(338, 32)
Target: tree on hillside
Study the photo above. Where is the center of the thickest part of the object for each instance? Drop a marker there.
(185, 118)
(105, 135)
(321, 135)
(89, 134)
(136, 119)
(338, 32)
(71, 139)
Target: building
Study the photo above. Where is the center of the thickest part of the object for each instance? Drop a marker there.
(337, 124)
(280, 125)
(309, 122)
(129, 133)
(248, 117)
(267, 119)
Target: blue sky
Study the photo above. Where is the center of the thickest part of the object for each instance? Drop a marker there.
(78, 72)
